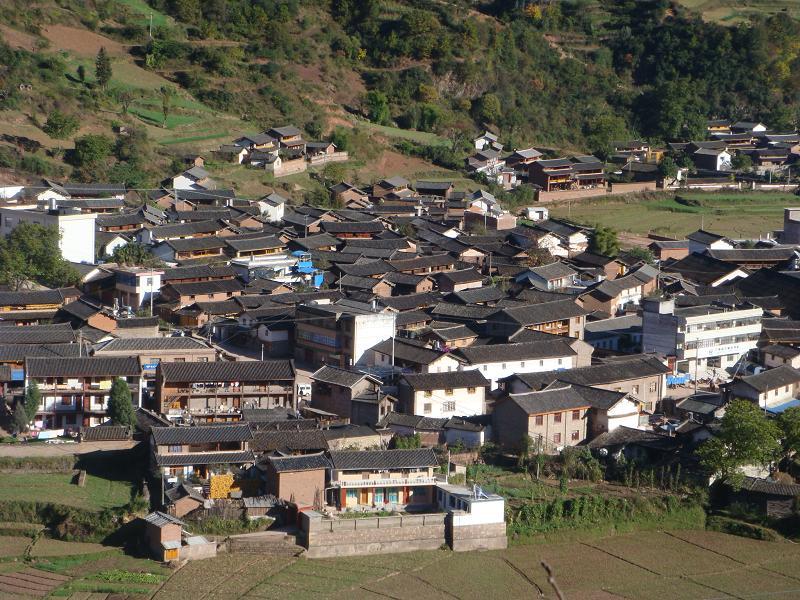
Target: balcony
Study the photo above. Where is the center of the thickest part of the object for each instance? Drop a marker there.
(373, 482)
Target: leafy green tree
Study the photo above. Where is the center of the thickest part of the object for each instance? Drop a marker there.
(667, 168)
(31, 253)
(489, 108)
(90, 150)
(102, 68)
(741, 162)
(120, 407)
(33, 397)
(82, 73)
(135, 254)
(789, 422)
(604, 241)
(60, 125)
(167, 94)
(377, 106)
(745, 437)
(643, 254)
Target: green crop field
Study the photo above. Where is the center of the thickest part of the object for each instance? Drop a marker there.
(732, 11)
(98, 493)
(742, 214)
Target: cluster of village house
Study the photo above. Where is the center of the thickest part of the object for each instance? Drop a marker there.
(712, 159)
(410, 324)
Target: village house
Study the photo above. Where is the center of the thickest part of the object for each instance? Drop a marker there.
(350, 395)
(218, 391)
(409, 355)
(30, 307)
(776, 355)
(200, 451)
(551, 277)
(75, 391)
(461, 393)
(383, 479)
(615, 296)
(552, 418)
(560, 317)
(772, 390)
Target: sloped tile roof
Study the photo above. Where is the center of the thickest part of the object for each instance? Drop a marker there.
(268, 370)
(383, 459)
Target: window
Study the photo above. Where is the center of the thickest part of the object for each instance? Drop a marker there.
(557, 418)
(202, 359)
(177, 448)
(180, 360)
(485, 368)
(556, 438)
(504, 365)
(449, 406)
(448, 392)
(634, 389)
(576, 415)
(539, 419)
(541, 363)
(652, 387)
(428, 393)
(427, 408)
(559, 362)
(522, 364)
(575, 436)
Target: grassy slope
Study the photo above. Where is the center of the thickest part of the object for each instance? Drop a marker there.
(737, 215)
(58, 488)
(733, 11)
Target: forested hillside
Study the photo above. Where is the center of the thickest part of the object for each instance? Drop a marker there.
(570, 75)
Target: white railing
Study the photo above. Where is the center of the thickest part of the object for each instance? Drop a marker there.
(384, 482)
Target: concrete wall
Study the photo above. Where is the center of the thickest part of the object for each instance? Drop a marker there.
(463, 538)
(198, 551)
(630, 188)
(289, 167)
(323, 159)
(379, 535)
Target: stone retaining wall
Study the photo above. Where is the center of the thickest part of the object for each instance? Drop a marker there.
(490, 536)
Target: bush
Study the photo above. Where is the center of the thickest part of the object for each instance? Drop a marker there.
(54, 464)
(60, 125)
(741, 528)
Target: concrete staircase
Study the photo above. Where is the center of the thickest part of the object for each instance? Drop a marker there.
(272, 543)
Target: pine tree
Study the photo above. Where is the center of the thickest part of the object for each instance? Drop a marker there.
(33, 398)
(20, 418)
(120, 407)
(102, 70)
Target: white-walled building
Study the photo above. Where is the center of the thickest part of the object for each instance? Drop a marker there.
(702, 338)
(77, 229)
(462, 393)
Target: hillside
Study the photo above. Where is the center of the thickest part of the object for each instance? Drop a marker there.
(404, 84)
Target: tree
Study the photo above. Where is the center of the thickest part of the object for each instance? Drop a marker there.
(489, 108)
(82, 73)
(377, 105)
(33, 397)
(668, 169)
(102, 68)
(60, 125)
(604, 241)
(742, 162)
(167, 94)
(135, 254)
(125, 99)
(31, 253)
(745, 437)
(789, 422)
(120, 407)
(90, 150)
(19, 420)
(643, 254)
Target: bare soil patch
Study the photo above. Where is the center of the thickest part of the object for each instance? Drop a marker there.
(393, 163)
(30, 582)
(81, 41)
(18, 39)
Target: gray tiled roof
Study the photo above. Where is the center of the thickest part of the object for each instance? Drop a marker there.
(159, 519)
(152, 343)
(383, 459)
(549, 348)
(623, 370)
(202, 434)
(550, 400)
(268, 370)
(82, 367)
(337, 376)
(304, 462)
(451, 380)
(531, 314)
(289, 440)
(204, 458)
(773, 378)
(18, 352)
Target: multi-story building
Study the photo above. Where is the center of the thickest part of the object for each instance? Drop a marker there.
(382, 478)
(218, 391)
(75, 391)
(702, 338)
(462, 393)
(200, 451)
(77, 229)
(340, 333)
(136, 286)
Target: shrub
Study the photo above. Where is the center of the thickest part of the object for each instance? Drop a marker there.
(60, 125)
(742, 529)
